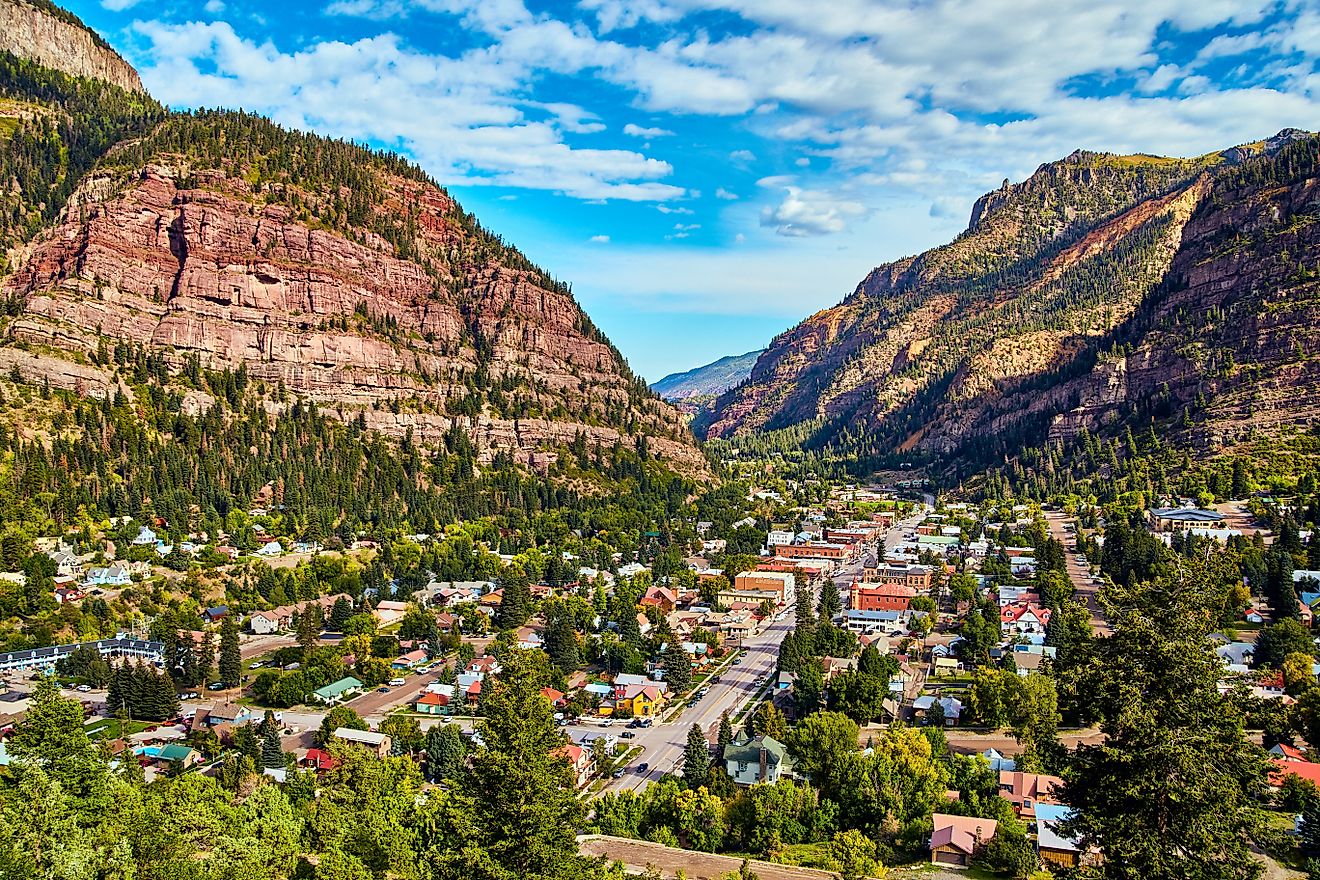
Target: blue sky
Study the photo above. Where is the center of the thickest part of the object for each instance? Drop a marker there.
(705, 173)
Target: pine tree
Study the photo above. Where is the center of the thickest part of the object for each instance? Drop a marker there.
(231, 658)
(678, 668)
(696, 758)
(515, 599)
(445, 751)
(272, 752)
(830, 604)
(561, 641)
(726, 732)
(341, 611)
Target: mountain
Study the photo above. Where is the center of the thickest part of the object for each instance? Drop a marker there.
(56, 38)
(1101, 288)
(325, 272)
(714, 378)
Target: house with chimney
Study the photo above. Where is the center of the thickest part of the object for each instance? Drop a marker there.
(756, 760)
(955, 838)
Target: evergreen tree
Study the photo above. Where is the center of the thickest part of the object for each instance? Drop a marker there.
(830, 604)
(726, 732)
(678, 667)
(272, 753)
(231, 658)
(809, 687)
(696, 758)
(445, 752)
(561, 640)
(1172, 743)
(525, 794)
(341, 611)
(515, 599)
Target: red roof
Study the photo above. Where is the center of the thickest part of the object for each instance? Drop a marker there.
(429, 699)
(320, 759)
(1291, 753)
(1301, 769)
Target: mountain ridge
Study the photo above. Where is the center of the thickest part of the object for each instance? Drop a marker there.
(329, 272)
(964, 345)
(709, 379)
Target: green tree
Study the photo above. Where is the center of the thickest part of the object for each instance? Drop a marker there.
(830, 605)
(855, 856)
(678, 667)
(767, 720)
(1172, 743)
(726, 732)
(445, 751)
(337, 717)
(272, 752)
(809, 686)
(696, 757)
(51, 736)
(1278, 640)
(231, 659)
(521, 800)
(515, 599)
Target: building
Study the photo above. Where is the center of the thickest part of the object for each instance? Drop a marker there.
(435, 702)
(660, 597)
(778, 537)
(777, 586)
(281, 617)
(582, 762)
(815, 550)
(1025, 790)
(119, 646)
(955, 838)
(1055, 850)
(377, 742)
(760, 759)
(870, 622)
(1177, 519)
(882, 597)
(918, 577)
(336, 691)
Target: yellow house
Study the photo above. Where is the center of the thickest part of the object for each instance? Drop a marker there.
(643, 699)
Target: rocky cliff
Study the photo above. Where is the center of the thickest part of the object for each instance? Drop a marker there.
(1052, 311)
(54, 37)
(322, 270)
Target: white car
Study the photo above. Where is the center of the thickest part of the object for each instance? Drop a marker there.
(607, 722)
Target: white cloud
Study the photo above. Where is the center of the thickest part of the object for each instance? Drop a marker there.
(811, 212)
(599, 239)
(725, 195)
(670, 209)
(215, 7)
(639, 132)
(742, 156)
(119, 5)
(461, 117)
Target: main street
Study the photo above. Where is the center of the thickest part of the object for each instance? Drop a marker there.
(1085, 587)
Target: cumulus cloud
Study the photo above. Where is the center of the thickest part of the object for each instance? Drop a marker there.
(725, 195)
(811, 212)
(638, 131)
(599, 239)
(461, 116)
(119, 5)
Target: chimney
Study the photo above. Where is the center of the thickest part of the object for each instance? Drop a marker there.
(763, 764)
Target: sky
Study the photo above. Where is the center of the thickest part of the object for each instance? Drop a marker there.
(706, 173)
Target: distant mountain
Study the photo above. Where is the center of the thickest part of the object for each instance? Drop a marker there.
(325, 272)
(1103, 290)
(713, 378)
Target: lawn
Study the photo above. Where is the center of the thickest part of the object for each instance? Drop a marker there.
(109, 729)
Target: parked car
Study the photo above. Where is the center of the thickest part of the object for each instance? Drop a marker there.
(83, 688)
(256, 664)
(647, 722)
(627, 734)
(216, 686)
(643, 767)
(398, 682)
(606, 722)
(617, 774)
(383, 689)
(191, 695)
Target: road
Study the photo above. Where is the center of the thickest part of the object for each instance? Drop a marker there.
(663, 744)
(1085, 588)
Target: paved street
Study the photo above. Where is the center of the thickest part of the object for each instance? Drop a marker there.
(1083, 585)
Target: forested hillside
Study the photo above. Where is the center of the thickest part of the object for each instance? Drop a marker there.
(1102, 290)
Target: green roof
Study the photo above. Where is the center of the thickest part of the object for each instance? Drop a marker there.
(338, 688)
(175, 752)
(750, 751)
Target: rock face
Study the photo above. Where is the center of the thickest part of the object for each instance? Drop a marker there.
(445, 327)
(41, 32)
(1100, 286)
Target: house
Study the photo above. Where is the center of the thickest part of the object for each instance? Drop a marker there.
(483, 666)
(145, 538)
(227, 714)
(581, 760)
(66, 564)
(1025, 790)
(376, 742)
(274, 548)
(68, 595)
(434, 703)
(955, 838)
(951, 706)
(1055, 850)
(114, 576)
(1026, 662)
(643, 700)
(1287, 752)
(1024, 618)
(410, 660)
(529, 638)
(336, 691)
(216, 614)
(760, 759)
(387, 612)
(174, 753)
(870, 622)
(659, 597)
(558, 699)
(319, 760)
(997, 761)
(1303, 770)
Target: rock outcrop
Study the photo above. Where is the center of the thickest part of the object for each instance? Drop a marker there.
(1101, 286)
(53, 37)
